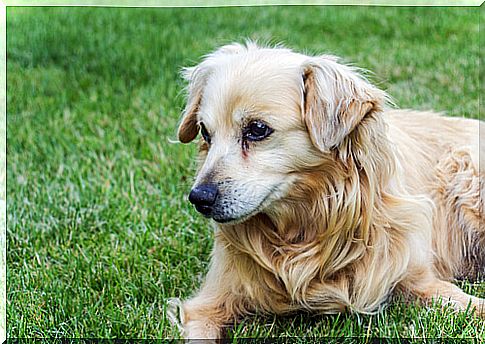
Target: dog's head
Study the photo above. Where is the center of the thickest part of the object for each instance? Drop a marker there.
(265, 115)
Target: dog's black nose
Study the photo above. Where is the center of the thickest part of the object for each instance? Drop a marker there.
(203, 197)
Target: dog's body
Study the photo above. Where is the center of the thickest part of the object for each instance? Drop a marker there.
(325, 200)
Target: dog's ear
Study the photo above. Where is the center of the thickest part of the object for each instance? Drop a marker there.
(336, 98)
(197, 79)
(188, 127)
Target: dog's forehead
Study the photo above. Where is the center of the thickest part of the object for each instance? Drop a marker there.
(252, 85)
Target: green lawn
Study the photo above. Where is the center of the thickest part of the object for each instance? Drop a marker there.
(100, 232)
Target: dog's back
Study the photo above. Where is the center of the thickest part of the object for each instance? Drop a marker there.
(440, 157)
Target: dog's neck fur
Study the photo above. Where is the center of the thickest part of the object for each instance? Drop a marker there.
(327, 226)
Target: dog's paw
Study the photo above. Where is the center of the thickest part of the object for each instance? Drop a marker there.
(469, 303)
(478, 306)
(201, 329)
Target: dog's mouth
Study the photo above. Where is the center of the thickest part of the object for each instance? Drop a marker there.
(225, 218)
(231, 220)
(208, 212)
(228, 220)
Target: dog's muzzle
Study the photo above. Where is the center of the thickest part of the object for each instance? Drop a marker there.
(204, 197)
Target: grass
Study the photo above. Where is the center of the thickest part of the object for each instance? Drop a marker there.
(100, 233)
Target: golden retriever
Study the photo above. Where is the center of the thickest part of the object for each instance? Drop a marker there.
(325, 199)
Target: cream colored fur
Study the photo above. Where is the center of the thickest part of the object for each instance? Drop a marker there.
(344, 204)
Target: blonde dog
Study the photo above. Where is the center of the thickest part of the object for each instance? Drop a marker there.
(324, 198)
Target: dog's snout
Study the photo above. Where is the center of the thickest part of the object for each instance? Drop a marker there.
(203, 197)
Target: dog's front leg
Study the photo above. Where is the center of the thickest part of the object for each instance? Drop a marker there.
(219, 302)
(204, 317)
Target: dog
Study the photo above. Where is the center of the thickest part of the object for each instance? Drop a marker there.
(325, 198)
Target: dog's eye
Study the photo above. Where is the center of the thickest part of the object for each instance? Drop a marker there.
(205, 133)
(257, 131)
